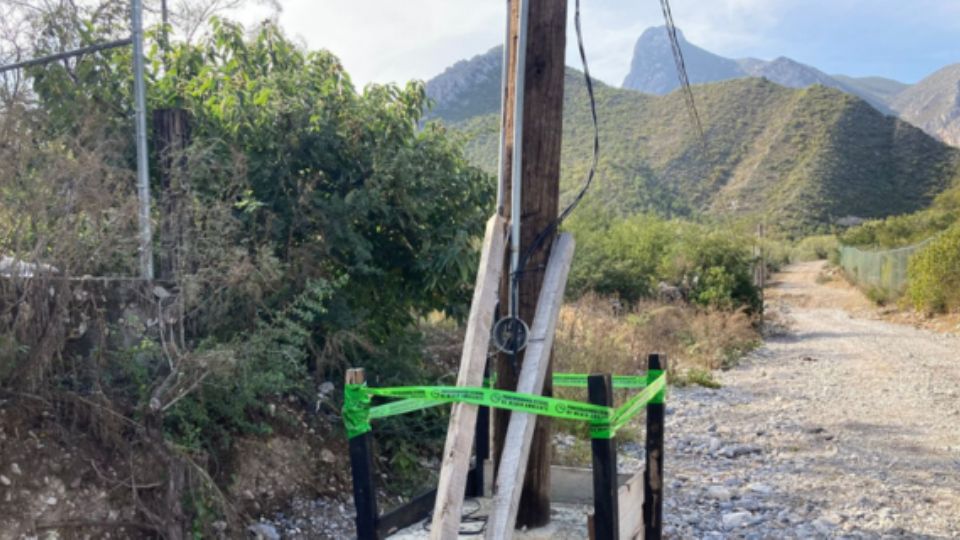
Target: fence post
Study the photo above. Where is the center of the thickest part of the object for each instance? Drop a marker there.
(361, 467)
(605, 497)
(653, 473)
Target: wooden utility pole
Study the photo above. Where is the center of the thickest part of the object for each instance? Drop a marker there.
(542, 125)
(171, 133)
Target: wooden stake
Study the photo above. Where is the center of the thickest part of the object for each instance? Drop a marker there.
(605, 496)
(361, 467)
(543, 123)
(463, 417)
(171, 131)
(516, 450)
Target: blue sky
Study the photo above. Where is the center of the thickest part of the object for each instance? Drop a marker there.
(397, 40)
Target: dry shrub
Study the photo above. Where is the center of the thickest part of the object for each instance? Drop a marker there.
(594, 335)
(66, 208)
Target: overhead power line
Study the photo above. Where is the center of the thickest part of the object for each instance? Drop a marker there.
(681, 66)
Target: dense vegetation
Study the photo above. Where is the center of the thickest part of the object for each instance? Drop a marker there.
(800, 159)
(318, 223)
(632, 258)
(933, 271)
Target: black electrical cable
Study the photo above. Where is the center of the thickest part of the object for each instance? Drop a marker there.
(681, 66)
(548, 231)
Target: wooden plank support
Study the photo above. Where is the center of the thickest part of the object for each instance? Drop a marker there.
(516, 449)
(605, 495)
(630, 505)
(463, 417)
(361, 467)
(653, 473)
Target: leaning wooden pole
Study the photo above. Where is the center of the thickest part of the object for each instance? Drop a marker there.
(521, 431)
(463, 416)
(542, 125)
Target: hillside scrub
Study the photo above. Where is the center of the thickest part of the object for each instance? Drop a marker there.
(800, 158)
(595, 335)
(818, 247)
(903, 230)
(934, 284)
(932, 272)
(633, 257)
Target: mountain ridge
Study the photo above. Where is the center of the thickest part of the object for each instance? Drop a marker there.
(933, 104)
(652, 69)
(800, 159)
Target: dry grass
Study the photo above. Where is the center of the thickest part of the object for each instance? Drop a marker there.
(595, 336)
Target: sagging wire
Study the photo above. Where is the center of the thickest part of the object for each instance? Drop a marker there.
(681, 67)
(550, 229)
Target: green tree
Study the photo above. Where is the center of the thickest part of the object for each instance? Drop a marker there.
(334, 180)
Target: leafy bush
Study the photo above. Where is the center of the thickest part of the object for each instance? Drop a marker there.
(935, 273)
(820, 247)
(630, 257)
(319, 221)
(620, 259)
(899, 231)
(715, 265)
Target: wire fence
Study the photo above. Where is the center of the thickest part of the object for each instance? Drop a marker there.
(885, 270)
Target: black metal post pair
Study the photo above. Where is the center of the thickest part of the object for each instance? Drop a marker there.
(370, 524)
(606, 518)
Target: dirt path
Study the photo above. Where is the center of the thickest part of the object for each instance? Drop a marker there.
(839, 427)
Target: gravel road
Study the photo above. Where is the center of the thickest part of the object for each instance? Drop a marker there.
(836, 427)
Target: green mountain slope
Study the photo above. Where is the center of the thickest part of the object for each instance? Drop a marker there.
(799, 158)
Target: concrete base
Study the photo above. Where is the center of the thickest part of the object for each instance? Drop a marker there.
(568, 522)
(571, 496)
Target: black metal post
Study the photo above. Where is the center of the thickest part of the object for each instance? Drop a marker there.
(605, 500)
(481, 445)
(653, 473)
(361, 468)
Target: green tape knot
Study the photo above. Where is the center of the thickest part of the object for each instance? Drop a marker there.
(356, 410)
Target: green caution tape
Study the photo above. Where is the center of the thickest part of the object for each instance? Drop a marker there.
(629, 409)
(604, 421)
(653, 375)
(579, 380)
